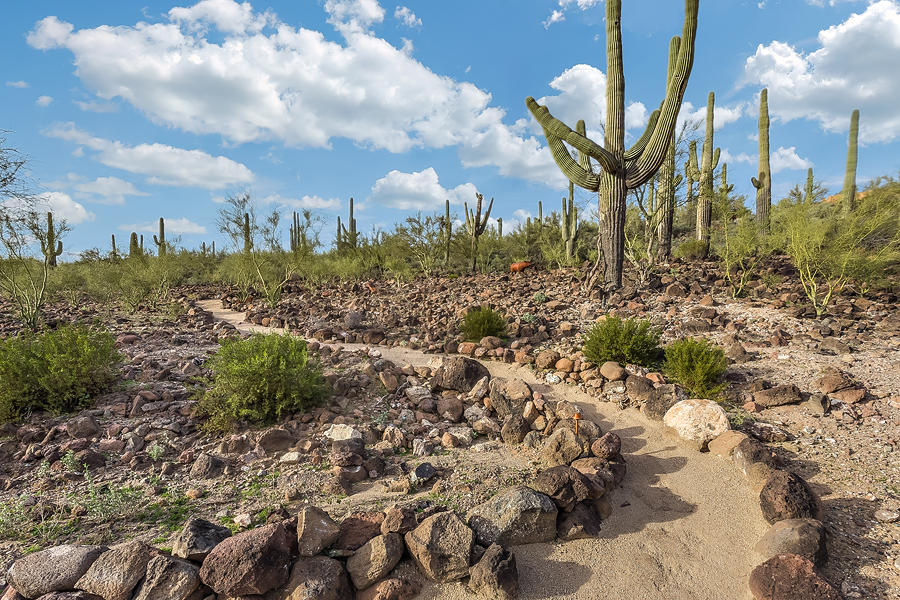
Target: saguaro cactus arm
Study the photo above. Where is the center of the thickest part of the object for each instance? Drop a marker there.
(161, 240)
(848, 193)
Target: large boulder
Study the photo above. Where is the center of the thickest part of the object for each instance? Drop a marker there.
(115, 573)
(276, 440)
(168, 579)
(659, 401)
(459, 374)
(787, 496)
(441, 547)
(564, 485)
(252, 562)
(495, 576)
(198, 538)
(375, 560)
(562, 447)
(514, 429)
(82, 427)
(697, 422)
(399, 519)
(315, 531)
(790, 577)
(357, 529)
(805, 537)
(515, 516)
(55, 569)
(508, 397)
(315, 578)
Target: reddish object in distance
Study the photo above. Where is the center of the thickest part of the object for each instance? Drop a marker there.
(519, 267)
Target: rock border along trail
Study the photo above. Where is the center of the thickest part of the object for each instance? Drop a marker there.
(683, 524)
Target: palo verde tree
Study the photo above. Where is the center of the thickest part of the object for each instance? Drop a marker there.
(622, 169)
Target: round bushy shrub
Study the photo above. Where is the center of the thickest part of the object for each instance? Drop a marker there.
(261, 379)
(481, 323)
(697, 366)
(693, 250)
(624, 341)
(60, 370)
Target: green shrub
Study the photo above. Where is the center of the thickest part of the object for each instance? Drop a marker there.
(482, 323)
(625, 341)
(261, 379)
(697, 366)
(60, 370)
(693, 250)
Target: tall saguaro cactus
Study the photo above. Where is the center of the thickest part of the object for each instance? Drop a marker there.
(298, 239)
(848, 193)
(161, 240)
(448, 233)
(248, 237)
(763, 183)
(347, 238)
(808, 195)
(475, 224)
(621, 169)
(703, 173)
(570, 223)
(667, 179)
(134, 248)
(50, 246)
(115, 252)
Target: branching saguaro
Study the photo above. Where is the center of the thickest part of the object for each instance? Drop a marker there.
(622, 169)
(475, 224)
(848, 193)
(161, 240)
(763, 182)
(50, 246)
(703, 173)
(347, 238)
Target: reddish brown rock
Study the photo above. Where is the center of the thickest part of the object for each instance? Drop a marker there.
(391, 589)
(787, 496)
(790, 577)
(357, 529)
(252, 562)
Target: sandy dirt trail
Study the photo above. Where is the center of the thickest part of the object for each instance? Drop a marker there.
(683, 524)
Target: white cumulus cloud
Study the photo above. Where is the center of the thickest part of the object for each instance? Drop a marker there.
(419, 191)
(854, 67)
(164, 165)
(107, 190)
(63, 207)
(220, 68)
(17, 84)
(173, 226)
(564, 5)
(44, 101)
(309, 202)
(407, 17)
(787, 158)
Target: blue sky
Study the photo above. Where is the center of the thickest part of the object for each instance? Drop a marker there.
(130, 111)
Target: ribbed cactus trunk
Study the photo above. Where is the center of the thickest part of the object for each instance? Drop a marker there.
(570, 224)
(667, 182)
(448, 233)
(703, 174)
(475, 224)
(134, 248)
(248, 238)
(161, 240)
(848, 193)
(763, 183)
(115, 252)
(622, 169)
(51, 247)
(808, 196)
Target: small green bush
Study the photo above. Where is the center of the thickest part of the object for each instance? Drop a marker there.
(482, 323)
(693, 250)
(625, 341)
(59, 371)
(697, 366)
(261, 379)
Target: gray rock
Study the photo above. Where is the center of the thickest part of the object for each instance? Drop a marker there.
(315, 578)
(564, 485)
(515, 516)
(276, 440)
(581, 523)
(613, 371)
(207, 467)
(661, 400)
(441, 546)
(638, 388)
(805, 537)
(56, 569)
(168, 579)
(375, 560)
(459, 374)
(82, 427)
(509, 397)
(514, 429)
(315, 531)
(496, 575)
(562, 447)
(422, 473)
(778, 396)
(197, 539)
(115, 573)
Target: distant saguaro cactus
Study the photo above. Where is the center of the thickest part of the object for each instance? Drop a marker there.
(134, 248)
(848, 193)
(248, 235)
(703, 173)
(347, 238)
(50, 246)
(115, 252)
(161, 240)
(570, 224)
(475, 224)
(448, 233)
(763, 183)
